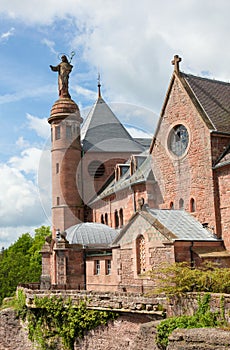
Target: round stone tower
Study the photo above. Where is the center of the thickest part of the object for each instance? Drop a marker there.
(65, 120)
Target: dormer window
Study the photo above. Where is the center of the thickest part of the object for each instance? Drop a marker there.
(135, 163)
(120, 170)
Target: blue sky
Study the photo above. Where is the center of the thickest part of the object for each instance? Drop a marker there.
(131, 43)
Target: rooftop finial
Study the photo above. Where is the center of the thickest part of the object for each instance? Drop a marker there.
(99, 85)
(176, 60)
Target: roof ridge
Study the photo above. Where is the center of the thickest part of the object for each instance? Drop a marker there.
(205, 78)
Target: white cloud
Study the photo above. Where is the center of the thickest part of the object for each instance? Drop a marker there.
(28, 92)
(19, 202)
(6, 35)
(137, 133)
(50, 44)
(40, 125)
(85, 92)
(28, 161)
(22, 143)
(10, 234)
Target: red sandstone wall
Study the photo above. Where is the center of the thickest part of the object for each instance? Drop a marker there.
(189, 176)
(102, 281)
(222, 176)
(219, 144)
(127, 200)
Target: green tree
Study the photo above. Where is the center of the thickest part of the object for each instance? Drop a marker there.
(21, 262)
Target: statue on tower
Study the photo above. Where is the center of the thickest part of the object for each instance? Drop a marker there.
(64, 68)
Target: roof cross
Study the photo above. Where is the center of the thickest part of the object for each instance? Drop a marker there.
(176, 60)
(99, 85)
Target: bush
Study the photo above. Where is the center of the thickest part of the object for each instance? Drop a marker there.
(179, 278)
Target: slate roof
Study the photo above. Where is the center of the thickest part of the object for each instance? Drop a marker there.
(175, 225)
(91, 234)
(142, 174)
(182, 224)
(214, 98)
(103, 132)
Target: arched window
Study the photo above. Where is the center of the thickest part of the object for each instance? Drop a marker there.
(192, 205)
(141, 254)
(121, 217)
(181, 203)
(116, 219)
(171, 205)
(102, 219)
(106, 218)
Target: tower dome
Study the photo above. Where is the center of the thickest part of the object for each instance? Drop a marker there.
(64, 108)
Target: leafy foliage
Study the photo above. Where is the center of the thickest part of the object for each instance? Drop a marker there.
(180, 278)
(54, 318)
(21, 262)
(202, 318)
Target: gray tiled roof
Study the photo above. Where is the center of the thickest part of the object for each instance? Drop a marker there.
(214, 98)
(142, 174)
(90, 234)
(182, 224)
(102, 131)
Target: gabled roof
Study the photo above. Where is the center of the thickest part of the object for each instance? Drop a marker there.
(210, 97)
(102, 131)
(175, 225)
(142, 174)
(214, 97)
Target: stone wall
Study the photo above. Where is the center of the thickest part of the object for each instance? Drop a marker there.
(199, 339)
(137, 302)
(127, 332)
(13, 335)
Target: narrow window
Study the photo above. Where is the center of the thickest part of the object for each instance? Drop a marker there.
(108, 267)
(121, 217)
(181, 204)
(58, 200)
(51, 135)
(57, 132)
(68, 132)
(102, 219)
(57, 168)
(116, 219)
(106, 218)
(171, 205)
(141, 258)
(97, 267)
(192, 205)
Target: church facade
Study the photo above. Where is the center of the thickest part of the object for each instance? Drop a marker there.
(120, 209)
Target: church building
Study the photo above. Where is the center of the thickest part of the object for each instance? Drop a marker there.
(120, 208)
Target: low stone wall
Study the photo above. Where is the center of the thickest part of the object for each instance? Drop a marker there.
(137, 302)
(116, 301)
